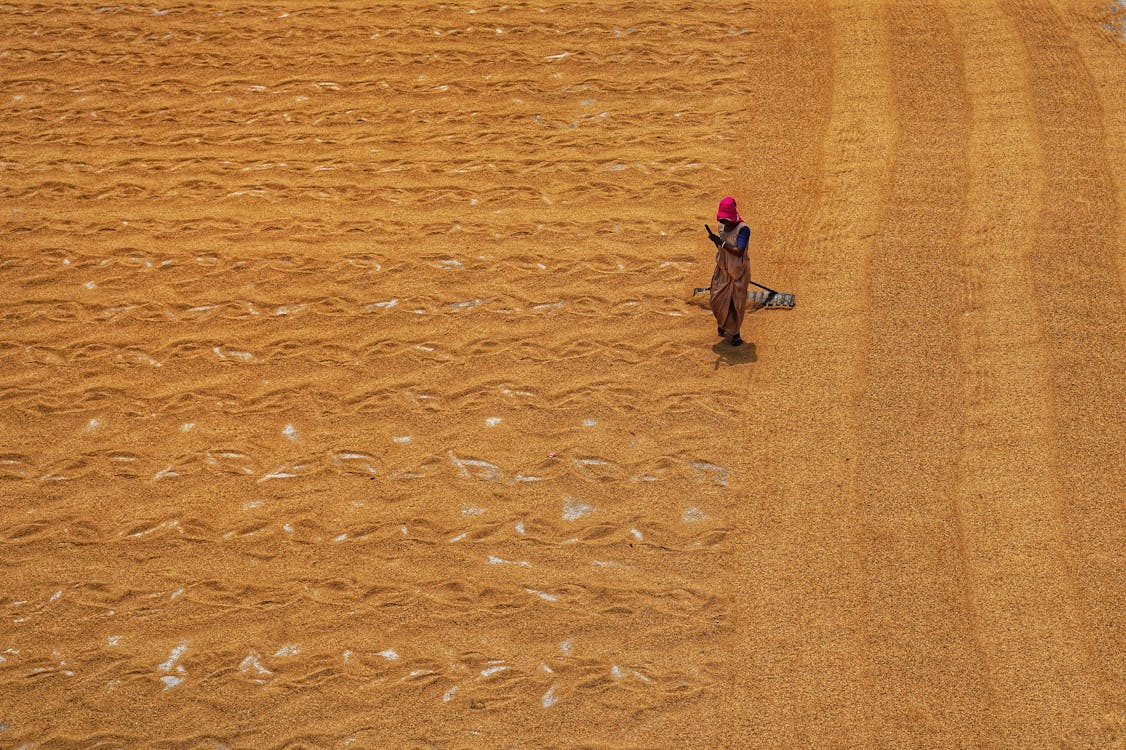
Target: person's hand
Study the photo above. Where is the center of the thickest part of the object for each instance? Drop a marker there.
(712, 236)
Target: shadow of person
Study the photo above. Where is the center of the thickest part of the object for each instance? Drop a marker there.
(734, 355)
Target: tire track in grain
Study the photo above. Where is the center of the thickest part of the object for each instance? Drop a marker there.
(923, 635)
(1037, 651)
(1077, 286)
(816, 516)
(776, 182)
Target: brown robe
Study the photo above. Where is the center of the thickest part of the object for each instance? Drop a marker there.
(729, 283)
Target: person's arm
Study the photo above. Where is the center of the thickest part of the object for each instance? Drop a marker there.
(741, 242)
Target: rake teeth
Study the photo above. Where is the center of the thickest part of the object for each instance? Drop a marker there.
(767, 300)
(770, 300)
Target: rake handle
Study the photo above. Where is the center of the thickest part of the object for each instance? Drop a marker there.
(760, 286)
(765, 288)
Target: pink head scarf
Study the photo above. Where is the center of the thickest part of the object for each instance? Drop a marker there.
(728, 211)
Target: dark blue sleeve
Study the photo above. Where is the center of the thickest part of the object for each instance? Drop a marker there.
(744, 238)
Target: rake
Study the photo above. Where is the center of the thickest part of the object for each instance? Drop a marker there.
(768, 299)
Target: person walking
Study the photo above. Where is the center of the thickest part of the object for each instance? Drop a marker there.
(732, 270)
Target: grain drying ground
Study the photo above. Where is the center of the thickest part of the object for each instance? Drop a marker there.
(352, 393)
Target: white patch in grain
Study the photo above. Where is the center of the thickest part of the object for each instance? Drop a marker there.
(252, 665)
(575, 509)
(278, 473)
(494, 560)
(692, 514)
(543, 595)
(483, 469)
(173, 657)
(706, 472)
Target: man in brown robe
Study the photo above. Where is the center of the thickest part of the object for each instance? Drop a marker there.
(732, 270)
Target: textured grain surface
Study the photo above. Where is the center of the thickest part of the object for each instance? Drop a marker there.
(352, 393)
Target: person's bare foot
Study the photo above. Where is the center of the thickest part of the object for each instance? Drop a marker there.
(737, 340)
